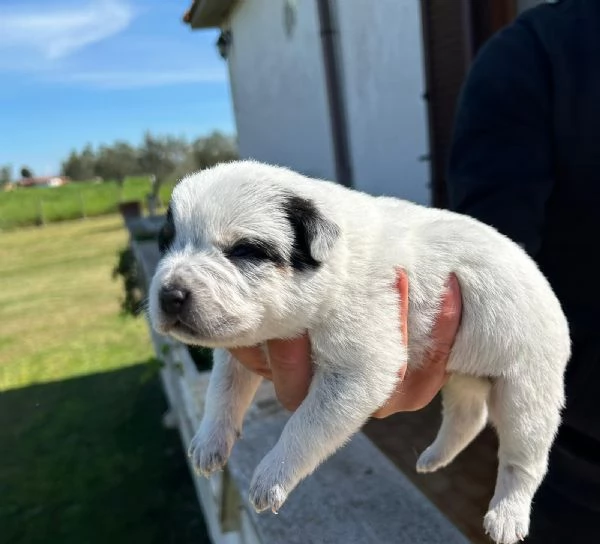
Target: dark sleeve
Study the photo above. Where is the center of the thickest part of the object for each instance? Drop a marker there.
(500, 165)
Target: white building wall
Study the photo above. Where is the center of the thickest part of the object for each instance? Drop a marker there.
(278, 87)
(383, 76)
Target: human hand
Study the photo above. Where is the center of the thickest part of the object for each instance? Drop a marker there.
(290, 368)
(417, 388)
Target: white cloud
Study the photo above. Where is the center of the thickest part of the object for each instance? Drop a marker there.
(132, 80)
(46, 44)
(56, 33)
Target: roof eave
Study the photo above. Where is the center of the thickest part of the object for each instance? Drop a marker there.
(208, 13)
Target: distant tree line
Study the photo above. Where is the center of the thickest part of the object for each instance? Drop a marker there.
(163, 157)
(6, 173)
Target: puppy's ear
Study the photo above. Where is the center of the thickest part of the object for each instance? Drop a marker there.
(314, 234)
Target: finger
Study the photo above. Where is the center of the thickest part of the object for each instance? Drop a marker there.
(447, 323)
(402, 288)
(401, 285)
(267, 374)
(394, 403)
(291, 369)
(254, 359)
(416, 391)
(417, 388)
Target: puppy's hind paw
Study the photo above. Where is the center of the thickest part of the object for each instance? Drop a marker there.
(430, 461)
(506, 525)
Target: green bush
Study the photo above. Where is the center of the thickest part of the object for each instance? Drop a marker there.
(202, 357)
(127, 268)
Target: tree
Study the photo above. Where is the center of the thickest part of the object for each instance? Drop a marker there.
(26, 172)
(72, 166)
(206, 152)
(212, 150)
(165, 158)
(117, 161)
(80, 167)
(5, 175)
(88, 163)
(160, 157)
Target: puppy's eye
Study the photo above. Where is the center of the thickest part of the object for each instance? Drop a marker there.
(165, 237)
(248, 251)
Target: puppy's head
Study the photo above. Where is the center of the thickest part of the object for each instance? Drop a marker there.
(242, 254)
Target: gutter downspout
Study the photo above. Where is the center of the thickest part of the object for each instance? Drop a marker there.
(335, 91)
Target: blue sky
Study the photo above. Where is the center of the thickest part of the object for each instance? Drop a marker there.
(78, 71)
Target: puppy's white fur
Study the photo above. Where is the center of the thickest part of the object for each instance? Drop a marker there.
(507, 362)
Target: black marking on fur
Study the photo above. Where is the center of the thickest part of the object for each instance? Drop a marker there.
(255, 250)
(166, 235)
(307, 223)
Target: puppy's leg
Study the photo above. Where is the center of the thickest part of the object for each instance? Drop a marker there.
(230, 391)
(336, 407)
(464, 416)
(527, 416)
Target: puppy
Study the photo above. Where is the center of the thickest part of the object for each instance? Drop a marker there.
(253, 252)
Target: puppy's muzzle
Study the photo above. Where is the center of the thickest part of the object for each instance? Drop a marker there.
(173, 300)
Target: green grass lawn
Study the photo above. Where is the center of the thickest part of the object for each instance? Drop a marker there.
(83, 455)
(26, 206)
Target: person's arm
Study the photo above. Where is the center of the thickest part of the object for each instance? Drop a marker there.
(501, 160)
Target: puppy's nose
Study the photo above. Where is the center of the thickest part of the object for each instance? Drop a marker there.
(172, 300)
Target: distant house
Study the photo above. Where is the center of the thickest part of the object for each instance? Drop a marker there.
(359, 91)
(44, 181)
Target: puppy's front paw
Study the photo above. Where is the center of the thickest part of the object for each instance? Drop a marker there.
(430, 460)
(507, 523)
(270, 484)
(210, 448)
(265, 496)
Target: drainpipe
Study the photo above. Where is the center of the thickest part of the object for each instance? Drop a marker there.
(335, 91)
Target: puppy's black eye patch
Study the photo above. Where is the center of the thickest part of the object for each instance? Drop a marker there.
(254, 251)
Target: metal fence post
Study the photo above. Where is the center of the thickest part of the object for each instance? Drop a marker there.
(82, 204)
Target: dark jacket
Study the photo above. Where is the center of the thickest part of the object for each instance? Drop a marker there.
(526, 159)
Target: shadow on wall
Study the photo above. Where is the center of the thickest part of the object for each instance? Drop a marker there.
(87, 460)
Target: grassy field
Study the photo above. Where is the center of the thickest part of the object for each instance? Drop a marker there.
(83, 456)
(29, 206)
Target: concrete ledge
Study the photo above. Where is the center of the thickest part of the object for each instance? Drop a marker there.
(356, 496)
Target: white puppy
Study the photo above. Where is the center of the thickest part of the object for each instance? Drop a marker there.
(253, 252)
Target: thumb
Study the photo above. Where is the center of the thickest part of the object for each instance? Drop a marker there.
(447, 323)
(291, 369)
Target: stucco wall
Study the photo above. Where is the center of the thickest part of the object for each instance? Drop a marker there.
(382, 51)
(280, 98)
(278, 86)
